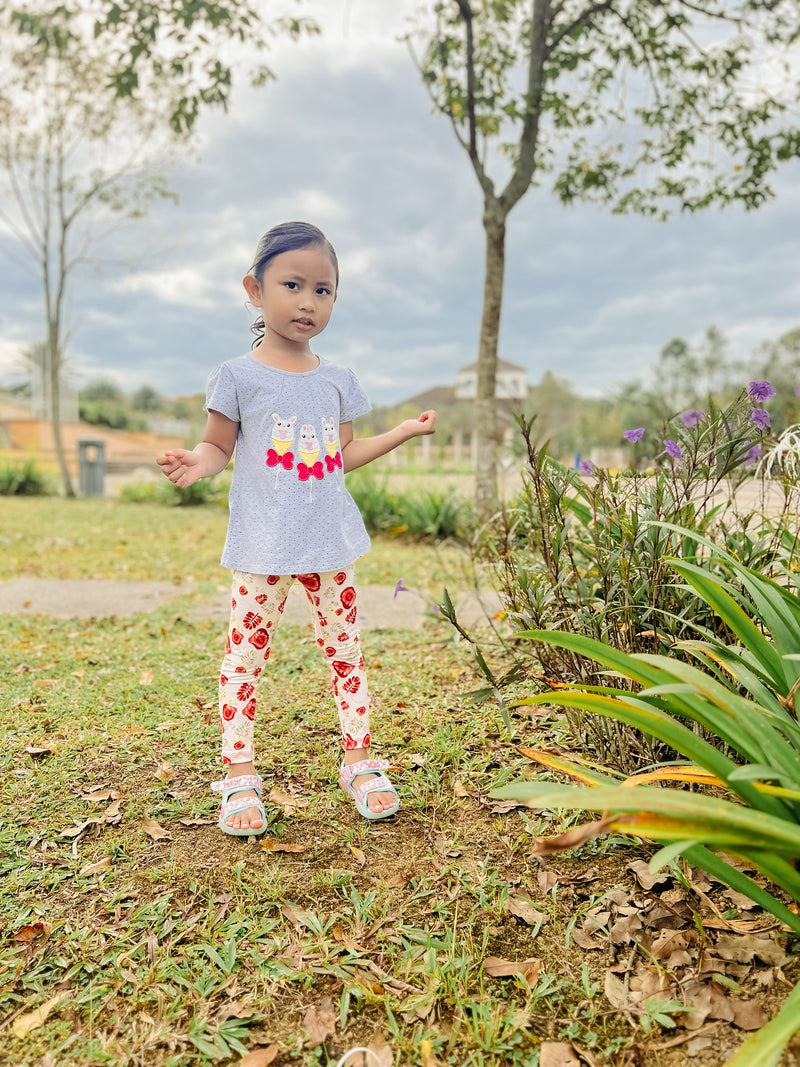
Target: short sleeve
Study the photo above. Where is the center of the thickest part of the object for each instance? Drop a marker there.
(354, 399)
(221, 393)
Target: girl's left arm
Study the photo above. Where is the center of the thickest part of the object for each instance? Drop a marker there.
(356, 452)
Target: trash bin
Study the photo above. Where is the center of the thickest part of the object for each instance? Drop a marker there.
(91, 465)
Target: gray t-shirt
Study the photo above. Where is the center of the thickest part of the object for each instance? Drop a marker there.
(290, 510)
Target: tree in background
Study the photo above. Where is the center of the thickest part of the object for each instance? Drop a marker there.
(92, 101)
(639, 106)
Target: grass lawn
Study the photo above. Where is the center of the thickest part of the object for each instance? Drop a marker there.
(135, 933)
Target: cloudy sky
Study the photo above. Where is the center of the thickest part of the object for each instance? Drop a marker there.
(345, 138)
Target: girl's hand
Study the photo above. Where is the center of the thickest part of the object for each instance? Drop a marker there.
(425, 424)
(183, 468)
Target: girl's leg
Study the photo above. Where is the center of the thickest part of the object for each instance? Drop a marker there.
(333, 597)
(256, 606)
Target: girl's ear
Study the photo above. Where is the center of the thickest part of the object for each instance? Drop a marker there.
(253, 290)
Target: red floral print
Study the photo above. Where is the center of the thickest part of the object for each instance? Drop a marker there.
(348, 597)
(245, 691)
(252, 620)
(259, 639)
(340, 578)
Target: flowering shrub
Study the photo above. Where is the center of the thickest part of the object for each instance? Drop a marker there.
(589, 557)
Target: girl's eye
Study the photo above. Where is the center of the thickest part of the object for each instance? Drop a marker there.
(291, 285)
(322, 291)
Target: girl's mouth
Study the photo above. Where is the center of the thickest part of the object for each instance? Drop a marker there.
(304, 324)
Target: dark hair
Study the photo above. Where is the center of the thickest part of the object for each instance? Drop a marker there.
(286, 237)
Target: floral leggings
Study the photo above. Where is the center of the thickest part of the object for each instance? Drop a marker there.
(256, 607)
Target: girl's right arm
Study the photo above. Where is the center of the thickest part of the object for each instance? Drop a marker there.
(212, 455)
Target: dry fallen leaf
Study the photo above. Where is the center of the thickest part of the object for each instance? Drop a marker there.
(146, 677)
(271, 845)
(25, 1023)
(112, 815)
(95, 868)
(557, 1054)
(742, 948)
(33, 930)
(497, 967)
(502, 807)
(153, 829)
(167, 726)
(37, 751)
(286, 801)
(193, 820)
(359, 854)
(459, 789)
(166, 772)
(320, 1022)
(99, 795)
(645, 877)
(615, 991)
(76, 831)
(522, 908)
(261, 1057)
(416, 759)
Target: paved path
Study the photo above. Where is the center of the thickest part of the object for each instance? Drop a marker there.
(95, 598)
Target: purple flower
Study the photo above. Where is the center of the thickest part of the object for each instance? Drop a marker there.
(692, 417)
(760, 391)
(400, 588)
(761, 418)
(752, 454)
(672, 449)
(586, 467)
(636, 435)
(797, 390)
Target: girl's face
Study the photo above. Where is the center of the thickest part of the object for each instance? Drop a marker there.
(296, 293)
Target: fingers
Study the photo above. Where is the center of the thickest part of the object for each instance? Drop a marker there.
(428, 418)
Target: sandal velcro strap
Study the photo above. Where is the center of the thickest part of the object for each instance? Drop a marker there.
(243, 781)
(380, 784)
(364, 766)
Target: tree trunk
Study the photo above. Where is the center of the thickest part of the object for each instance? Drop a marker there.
(54, 372)
(486, 490)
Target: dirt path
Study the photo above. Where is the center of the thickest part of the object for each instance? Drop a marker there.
(380, 607)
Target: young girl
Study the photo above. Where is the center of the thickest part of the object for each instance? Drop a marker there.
(289, 415)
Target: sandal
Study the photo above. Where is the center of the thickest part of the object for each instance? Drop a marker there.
(229, 787)
(379, 784)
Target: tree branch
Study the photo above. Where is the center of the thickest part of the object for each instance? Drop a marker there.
(520, 179)
(593, 9)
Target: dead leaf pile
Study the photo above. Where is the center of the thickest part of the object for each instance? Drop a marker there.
(658, 951)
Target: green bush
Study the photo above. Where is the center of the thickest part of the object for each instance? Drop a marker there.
(23, 479)
(206, 491)
(419, 514)
(377, 505)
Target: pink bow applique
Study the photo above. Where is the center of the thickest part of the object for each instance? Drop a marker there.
(274, 460)
(332, 462)
(304, 472)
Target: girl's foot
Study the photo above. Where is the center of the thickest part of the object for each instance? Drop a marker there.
(248, 818)
(376, 801)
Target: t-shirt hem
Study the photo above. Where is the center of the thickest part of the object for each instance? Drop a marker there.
(302, 568)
